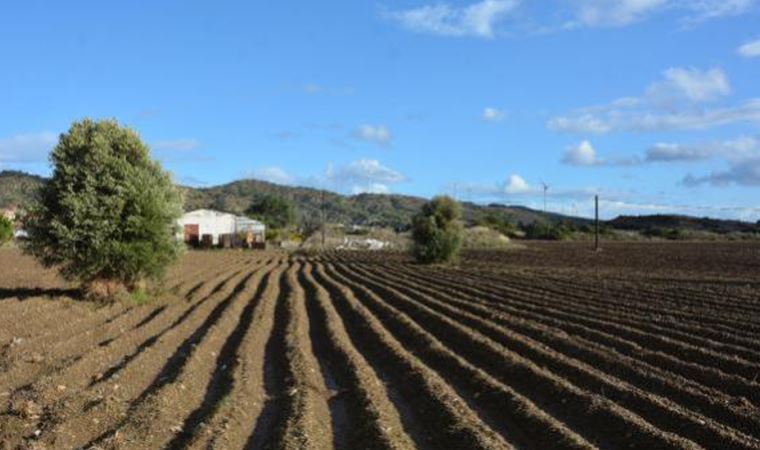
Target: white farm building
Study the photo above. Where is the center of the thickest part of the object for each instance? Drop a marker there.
(195, 226)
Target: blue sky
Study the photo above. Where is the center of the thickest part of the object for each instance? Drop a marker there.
(653, 104)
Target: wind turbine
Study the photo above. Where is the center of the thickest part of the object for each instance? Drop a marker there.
(546, 188)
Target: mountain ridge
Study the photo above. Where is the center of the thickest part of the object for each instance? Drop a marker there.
(390, 210)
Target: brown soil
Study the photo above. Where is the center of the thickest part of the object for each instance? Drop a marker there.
(552, 346)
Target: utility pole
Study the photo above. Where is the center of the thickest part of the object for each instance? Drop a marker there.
(322, 208)
(596, 222)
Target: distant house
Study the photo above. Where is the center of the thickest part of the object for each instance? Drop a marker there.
(14, 213)
(220, 228)
(10, 213)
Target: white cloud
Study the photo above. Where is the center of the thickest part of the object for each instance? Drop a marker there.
(742, 156)
(27, 148)
(372, 188)
(704, 10)
(480, 19)
(365, 171)
(742, 173)
(477, 19)
(517, 185)
(615, 13)
(272, 174)
(363, 175)
(178, 144)
(581, 123)
(649, 121)
(376, 134)
(671, 104)
(692, 84)
(583, 154)
(665, 152)
(733, 150)
(750, 49)
(493, 114)
(618, 13)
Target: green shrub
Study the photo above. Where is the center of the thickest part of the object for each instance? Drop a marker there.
(108, 214)
(547, 231)
(275, 211)
(6, 230)
(437, 231)
(499, 222)
(671, 234)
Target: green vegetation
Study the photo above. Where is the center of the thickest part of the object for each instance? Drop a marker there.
(484, 238)
(140, 297)
(373, 210)
(437, 231)
(275, 211)
(499, 221)
(18, 188)
(394, 211)
(107, 216)
(547, 231)
(671, 234)
(6, 230)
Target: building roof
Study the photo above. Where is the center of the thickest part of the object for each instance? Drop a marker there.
(207, 212)
(213, 213)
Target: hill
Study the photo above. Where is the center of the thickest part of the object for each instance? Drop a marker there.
(18, 188)
(679, 222)
(391, 210)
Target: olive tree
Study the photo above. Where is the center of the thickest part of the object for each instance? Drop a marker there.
(437, 231)
(107, 217)
(276, 211)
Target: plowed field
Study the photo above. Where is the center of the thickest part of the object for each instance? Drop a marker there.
(648, 346)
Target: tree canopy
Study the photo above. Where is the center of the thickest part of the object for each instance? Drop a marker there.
(275, 211)
(437, 231)
(109, 211)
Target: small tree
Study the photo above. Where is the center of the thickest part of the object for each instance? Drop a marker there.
(437, 231)
(6, 230)
(275, 211)
(107, 217)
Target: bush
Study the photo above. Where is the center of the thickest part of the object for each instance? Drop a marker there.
(484, 238)
(500, 222)
(437, 231)
(275, 211)
(6, 230)
(672, 234)
(107, 217)
(547, 231)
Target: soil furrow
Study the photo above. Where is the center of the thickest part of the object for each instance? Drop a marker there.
(439, 418)
(714, 403)
(508, 365)
(676, 419)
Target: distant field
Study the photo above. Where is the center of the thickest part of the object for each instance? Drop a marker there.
(650, 346)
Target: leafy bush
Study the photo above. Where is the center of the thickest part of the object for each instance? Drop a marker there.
(275, 211)
(437, 231)
(672, 234)
(6, 230)
(108, 215)
(499, 222)
(484, 238)
(547, 231)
